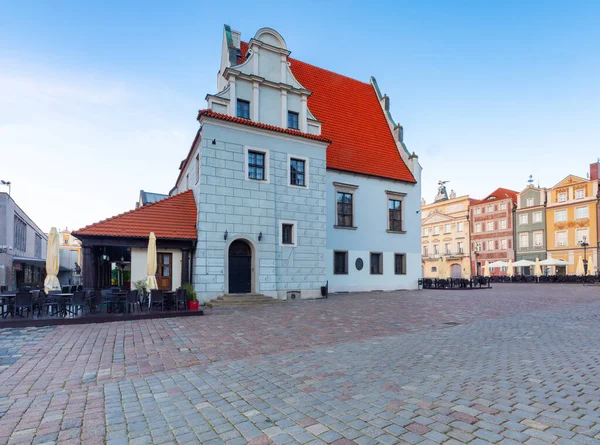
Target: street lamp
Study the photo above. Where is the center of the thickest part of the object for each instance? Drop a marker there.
(584, 244)
(6, 183)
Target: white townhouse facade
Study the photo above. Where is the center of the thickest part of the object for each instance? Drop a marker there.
(301, 178)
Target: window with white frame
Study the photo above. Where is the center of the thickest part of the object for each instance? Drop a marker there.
(460, 226)
(425, 231)
(560, 215)
(298, 171)
(524, 240)
(395, 209)
(490, 245)
(503, 243)
(478, 211)
(502, 206)
(425, 250)
(345, 206)
(490, 208)
(287, 233)
(579, 193)
(582, 213)
(537, 217)
(376, 263)
(529, 202)
(448, 248)
(582, 235)
(257, 164)
(460, 247)
(561, 238)
(562, 197)
(436, 230)
(477, 246)
(436, 250)
(489, 226)
(524, 219)
(447, 228)
(340, 263)
(400, 264)
(477, 227)
(538, 239)
(502, 224)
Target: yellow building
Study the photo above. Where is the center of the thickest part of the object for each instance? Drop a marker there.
(445, 233)
(571, 219)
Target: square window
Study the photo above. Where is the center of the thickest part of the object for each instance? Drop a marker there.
(376, 263)
(582, 212)
(395, 215)
(344, 209)
(537, 217)
(529, 202)
(400, 264)
(256, 165)
(524, 218)
(287, 234)
(562, 197)
(340, 263)
(292, 120)
(560, 215)
(580, 194)
(243, 109)
(297, 172)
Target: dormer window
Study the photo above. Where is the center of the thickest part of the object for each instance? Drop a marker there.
(243, 109)
(292, 120)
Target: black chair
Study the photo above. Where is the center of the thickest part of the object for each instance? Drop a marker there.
(73, 289)
(23, 300)
(76, 302)
(91, 299)
(38, 298)
(157, 298)
(51, 302)
(133, 299)
(112, 299)
(180, 299)
(80, 287)
(65, 289)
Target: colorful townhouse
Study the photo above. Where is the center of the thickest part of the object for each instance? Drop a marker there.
(445, 233)
(298, 178)
(572, 220)
(491, 225)
(530, 225)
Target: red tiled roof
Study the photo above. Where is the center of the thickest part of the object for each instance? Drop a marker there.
(352, 119)
(172, 218)
(501, 193)
(239, 120)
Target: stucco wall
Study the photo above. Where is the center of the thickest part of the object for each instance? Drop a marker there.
(371, 220)
(138, 265)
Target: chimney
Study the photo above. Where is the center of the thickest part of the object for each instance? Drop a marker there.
(594, 170)
(386, 102)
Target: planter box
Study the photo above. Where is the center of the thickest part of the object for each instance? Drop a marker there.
(193, 305)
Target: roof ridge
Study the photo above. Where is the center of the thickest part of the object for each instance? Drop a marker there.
(139, 209)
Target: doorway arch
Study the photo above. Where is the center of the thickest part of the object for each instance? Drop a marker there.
(239, 270)
(455, 271)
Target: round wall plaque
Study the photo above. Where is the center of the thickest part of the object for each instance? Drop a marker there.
(359, 264)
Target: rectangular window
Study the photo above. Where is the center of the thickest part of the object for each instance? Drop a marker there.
(292, 120)
(340, 263)
(490, 208)
(524, 219)
(524, 240)
(447, 228)
(478, 228)
(562, 197)
(256, 165)
(20, 234)
(38, 246)
(478, 211)
(287, 234)
(477, 246)
(436, 250)
(297, 172)
(400, 264)
(580, 194)
(461, 247)
(489, 226)
(560, 215)
(529, 202)
(243, 109)
(395, 215)
(502, 224)
(436, 230)
(426, 231)
(503, 206)
(425, 250)
(582, 213)
(344, 209)
(581, 235)
(376, 263)
(537, 217)
(197, 168)
(448, 248)
(490, 245)
(561, 238)
(460, 227)
(538, 239)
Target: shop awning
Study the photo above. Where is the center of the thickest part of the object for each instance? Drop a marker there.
(28, 260)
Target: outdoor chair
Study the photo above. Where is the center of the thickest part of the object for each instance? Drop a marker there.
(180, 299)
(51, 302)
(65, 289)
(76, 303)
(112, 299)
(133, 299)
(157, 298)
(23, 301)
(73, 289)
(3, 289)
(91, 299)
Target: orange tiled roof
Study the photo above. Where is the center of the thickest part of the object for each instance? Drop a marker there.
(172, 218)
(239, 120)
(501, 193)
(352, 119)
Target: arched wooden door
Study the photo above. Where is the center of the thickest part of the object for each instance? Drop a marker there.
(456, 271)
(240, 268)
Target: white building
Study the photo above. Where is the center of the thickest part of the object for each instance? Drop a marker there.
(300, 178)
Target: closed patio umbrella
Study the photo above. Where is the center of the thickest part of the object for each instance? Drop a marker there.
(579, 271)
(151, 263)
(511, 270)
(52, 262)
(441, 268)
(591, 270)
(537, 270)
(486, 269)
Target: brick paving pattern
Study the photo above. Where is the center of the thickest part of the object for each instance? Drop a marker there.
(514, 364)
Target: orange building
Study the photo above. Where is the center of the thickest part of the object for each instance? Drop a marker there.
(572, 220)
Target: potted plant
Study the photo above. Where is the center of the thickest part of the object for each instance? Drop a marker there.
(192, 300)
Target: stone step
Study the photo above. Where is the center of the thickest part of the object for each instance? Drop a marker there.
(234, 300)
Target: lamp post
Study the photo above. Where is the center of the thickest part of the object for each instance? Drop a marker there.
(585, 245)
(6, 183)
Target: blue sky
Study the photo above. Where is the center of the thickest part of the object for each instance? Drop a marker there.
(98, 101)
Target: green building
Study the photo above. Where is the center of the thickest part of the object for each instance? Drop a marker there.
(530, 225)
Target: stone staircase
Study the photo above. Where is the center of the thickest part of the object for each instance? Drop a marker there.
(233, 300)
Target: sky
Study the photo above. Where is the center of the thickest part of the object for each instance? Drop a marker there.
(99, 100)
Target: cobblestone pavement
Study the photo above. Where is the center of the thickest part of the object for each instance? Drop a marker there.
(515, 364)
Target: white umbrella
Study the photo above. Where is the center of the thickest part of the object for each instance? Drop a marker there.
(499, 264)
(486, 269)
(537, 270)
(52, 262)
(151, 263)
(555, 262)
(523, 263)
(579, 270)
(591, 269)
(511, 270)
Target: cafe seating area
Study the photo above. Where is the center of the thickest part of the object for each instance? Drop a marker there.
(76, 305)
